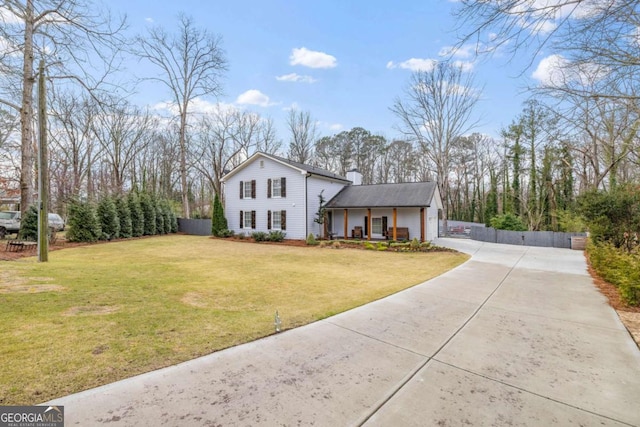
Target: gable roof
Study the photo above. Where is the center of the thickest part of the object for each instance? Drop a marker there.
(303, 168)
(408, 194)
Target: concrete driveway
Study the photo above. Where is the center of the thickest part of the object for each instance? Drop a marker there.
(516, 336)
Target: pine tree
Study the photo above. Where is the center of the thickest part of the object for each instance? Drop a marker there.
(124, 214)
(159, 216)
(83, 223)
(29, 224)
(108, 218)
(149, 212)
(137, 216)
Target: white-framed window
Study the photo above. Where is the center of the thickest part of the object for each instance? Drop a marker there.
(247, 190)
(276, 220)
(248, 217)
(276, 187)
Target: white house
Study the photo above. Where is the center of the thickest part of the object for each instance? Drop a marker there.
(267, 192)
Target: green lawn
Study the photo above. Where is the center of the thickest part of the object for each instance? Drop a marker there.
(96, 314)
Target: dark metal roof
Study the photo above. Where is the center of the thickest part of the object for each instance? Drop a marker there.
(410, 194)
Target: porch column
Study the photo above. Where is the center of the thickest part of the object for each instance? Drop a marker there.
(346, 223)
(395, 223)
(369, 224)
(422, 230)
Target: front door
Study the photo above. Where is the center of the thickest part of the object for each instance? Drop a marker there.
(378, 227)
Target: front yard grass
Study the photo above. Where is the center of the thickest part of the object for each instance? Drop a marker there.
(96, 314)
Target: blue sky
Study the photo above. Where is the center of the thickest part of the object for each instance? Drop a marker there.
(343, 61)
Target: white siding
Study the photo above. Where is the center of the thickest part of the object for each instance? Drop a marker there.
(300, 212)
(315, 185)
(293, 203)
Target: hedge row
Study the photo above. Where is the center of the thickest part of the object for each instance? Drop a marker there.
(618, 267)
(135, 215)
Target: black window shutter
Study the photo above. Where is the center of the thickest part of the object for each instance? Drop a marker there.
(241, 190)
(253, 219)
(384, 226)
(283, 187)
(283, 220)
(269, 188)
(366, 225)
(241, 219)
(269, 219)
(253, 189)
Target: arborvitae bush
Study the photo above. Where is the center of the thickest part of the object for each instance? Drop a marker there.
(166, 215)
(174, 222)
(159, 217)
(218, 221)
(124, 215)
(29, 224)
(149, 212)
(108, 218)
(137, 216)
(83, 223)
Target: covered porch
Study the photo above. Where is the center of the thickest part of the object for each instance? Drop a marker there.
(379, 224)
(402, 211)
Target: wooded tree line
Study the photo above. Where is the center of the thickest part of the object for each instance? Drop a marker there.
(578, 133)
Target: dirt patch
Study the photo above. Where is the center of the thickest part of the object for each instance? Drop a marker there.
(91, 310)
(29, 289)
(194, 299)
(629, 315)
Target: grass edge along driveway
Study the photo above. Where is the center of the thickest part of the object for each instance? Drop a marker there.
(97, 314)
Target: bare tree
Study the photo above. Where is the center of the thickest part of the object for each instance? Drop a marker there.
(397, 163)
(123, 131)
(268, 141)
(191, 63)
(586, 36)
(303, 136)
(73, 148)
(437, 109)
(226, 138)
(67, 34)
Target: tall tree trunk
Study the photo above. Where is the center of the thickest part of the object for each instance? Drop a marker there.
(26, 115)
(183, 163)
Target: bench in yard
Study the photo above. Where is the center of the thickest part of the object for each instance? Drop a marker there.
(19, 246)
(402, 233)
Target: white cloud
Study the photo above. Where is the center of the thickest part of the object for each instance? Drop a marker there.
(463, 52)
(414, 64)
(556, 70)
(466, 66)
(550, 70)
(336, 127)
(8, 17)
(293, 106)
(294, 77)
(311, 58)
(254, 97)
(149, 20)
